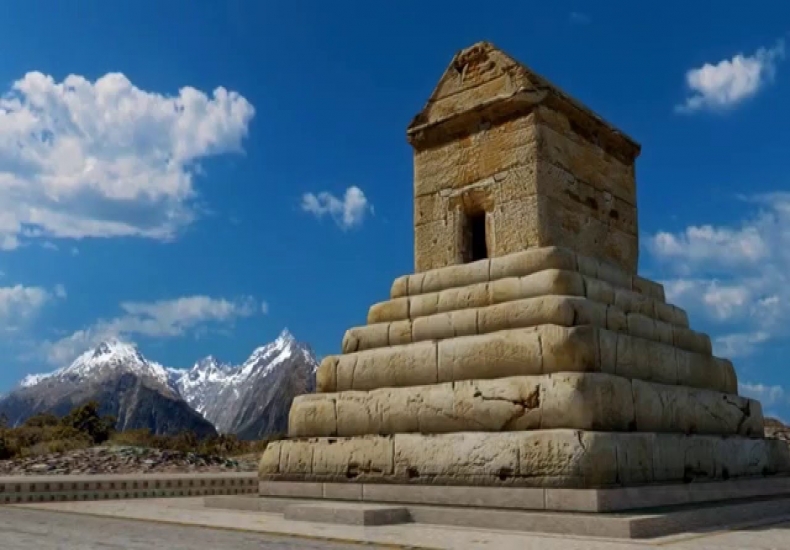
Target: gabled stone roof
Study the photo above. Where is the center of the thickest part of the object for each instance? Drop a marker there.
(483, 84)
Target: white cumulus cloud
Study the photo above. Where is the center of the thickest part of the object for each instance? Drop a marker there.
(767, 395)
(742, 273)
(730, 81)
(104, 158)
(348, 212)
(19, 304)
(158, 319)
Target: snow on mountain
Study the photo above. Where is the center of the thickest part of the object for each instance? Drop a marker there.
(251, 399)
(138, 392)
(241, 399)
(109, 356)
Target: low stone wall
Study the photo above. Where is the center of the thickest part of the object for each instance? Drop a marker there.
(20, 489)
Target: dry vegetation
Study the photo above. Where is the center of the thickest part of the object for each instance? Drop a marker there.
(83, 427)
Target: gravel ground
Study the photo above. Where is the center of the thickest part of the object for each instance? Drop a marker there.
(124, 460)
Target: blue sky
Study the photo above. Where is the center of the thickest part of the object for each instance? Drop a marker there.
(194, 175)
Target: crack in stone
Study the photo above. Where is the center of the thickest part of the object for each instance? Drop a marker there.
(353, 371)
(579, 436)
(335, 430)
(746, 412)
(531, 402)
(715, 415)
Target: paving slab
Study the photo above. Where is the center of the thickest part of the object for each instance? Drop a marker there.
(43, 530)
(190, 512)
(645, 524)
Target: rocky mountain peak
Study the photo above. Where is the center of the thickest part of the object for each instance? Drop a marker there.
(251, 399)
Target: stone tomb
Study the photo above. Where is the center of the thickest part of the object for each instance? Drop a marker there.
(524, 351)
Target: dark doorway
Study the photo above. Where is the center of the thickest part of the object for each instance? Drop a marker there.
(476, 248)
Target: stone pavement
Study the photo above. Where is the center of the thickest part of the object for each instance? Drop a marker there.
(42, 530)
(256, 528)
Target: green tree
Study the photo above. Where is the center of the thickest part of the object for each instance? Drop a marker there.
(87, 420)
(5, 448)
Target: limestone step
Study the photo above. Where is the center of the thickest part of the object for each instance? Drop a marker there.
(613, 499)
(531, 509)
(520, 264)
(585, 401)
(541, 458)
(544, 349)
(557, 282)
(347, 513)
(528, 312)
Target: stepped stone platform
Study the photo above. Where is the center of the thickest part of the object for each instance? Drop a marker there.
(524, 351)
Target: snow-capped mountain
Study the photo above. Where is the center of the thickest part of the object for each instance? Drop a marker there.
(138, 392)
(251, 399)
(106, 359)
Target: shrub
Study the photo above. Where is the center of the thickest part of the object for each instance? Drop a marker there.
(41, 420)
(84, 427)
(86, 419)
(7, 450)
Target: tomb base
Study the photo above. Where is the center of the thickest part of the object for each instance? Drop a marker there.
(571, 459)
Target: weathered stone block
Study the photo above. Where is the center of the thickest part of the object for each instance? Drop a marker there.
(587, 163)
(367, 337)
(597, 402)
(326, 374)
(360, 457)
(580, 196)
(455, 458)
(649, 288)
(662, 408)
(445, 325)
(573, 349)
(436, 244)
(562, 226)
(538, 458)
(400, 287)
(472, 296)
(400, 333)
(481, 154)
(495, 355)
(531, 261)
(391, 310)
(413, 364)
(430, 208)
(516, 226)
(543, 283)
(313, 414)
(455, 276)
